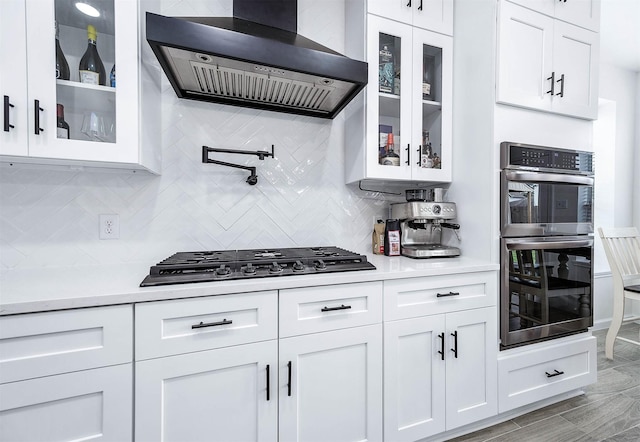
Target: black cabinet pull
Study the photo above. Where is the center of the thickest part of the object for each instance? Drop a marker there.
(408, 154)
(268, 383)
(455, 344)
(330, 309)
(418, 150)
(441, 351)
(7, 105)
(289, 379)
(442, 295)
(555, 373)
(420, 7)
(561, 81)
(409, 4)
(553, 83)
(38, 109)
(212, 324)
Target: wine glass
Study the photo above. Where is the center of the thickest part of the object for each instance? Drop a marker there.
(93, 126)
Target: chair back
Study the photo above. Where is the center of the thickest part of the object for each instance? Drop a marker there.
(622, 247)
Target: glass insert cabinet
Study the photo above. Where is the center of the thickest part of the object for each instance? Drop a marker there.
(407, 106)
(61, 101)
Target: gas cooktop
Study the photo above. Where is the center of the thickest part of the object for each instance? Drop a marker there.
(188, 267)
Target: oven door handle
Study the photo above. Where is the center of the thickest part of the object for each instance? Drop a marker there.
(519, 175)
(524, 244)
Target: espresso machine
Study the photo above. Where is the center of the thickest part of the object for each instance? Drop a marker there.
(421, 224)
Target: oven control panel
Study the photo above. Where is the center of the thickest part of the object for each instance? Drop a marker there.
(546, 158)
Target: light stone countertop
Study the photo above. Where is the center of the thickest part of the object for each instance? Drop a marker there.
(58, 288)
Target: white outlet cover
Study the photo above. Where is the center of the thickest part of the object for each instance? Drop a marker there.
(109, 226)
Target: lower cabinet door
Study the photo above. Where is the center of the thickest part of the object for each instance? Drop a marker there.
(472, 368)
(331, 386)
(227, 394)
(91, 404)
(414, 378)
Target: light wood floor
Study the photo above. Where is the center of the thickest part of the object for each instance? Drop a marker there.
(608, 411)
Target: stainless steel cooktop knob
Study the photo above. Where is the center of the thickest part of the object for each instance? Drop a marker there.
(320, 265)
(249, 269)
(223, 270)
(298, 266)
(275, 268)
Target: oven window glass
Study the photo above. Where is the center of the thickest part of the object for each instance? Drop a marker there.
(547, 203)
(548, 286)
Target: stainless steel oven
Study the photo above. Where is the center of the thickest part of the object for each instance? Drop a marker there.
(547, 243)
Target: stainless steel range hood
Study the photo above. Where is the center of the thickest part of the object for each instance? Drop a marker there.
(254, 59)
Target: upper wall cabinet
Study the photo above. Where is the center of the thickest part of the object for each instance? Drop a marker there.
(584, 13)
(546, 64)
(61, 101)
(434, 15)
(400, 129)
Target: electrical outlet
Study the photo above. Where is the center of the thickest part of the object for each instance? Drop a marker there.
(109, 226)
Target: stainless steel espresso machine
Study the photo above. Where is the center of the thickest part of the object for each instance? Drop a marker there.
(421, 228)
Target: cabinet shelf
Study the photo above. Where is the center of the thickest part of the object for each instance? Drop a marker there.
(86, 97)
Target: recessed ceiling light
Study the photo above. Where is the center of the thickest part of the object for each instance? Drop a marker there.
(87, 9)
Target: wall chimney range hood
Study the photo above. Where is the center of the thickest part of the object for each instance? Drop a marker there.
(254, 59)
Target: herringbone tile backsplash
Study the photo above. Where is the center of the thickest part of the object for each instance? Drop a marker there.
(50, 217)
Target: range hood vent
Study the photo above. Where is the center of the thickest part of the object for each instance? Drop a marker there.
(232, 60)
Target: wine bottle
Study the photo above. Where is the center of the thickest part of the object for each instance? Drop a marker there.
(391, 158)
(62, 130)
(385, 70)
(91, 69)
(428, 89)
(62, 67)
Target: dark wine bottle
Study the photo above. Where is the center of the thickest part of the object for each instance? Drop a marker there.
(63, 128)
(62, 67)
(91, 69)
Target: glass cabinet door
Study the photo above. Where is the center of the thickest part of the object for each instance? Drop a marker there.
(432, 106)
(389, 99)
(77, 107)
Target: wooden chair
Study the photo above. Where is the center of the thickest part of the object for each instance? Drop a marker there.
(622, 246)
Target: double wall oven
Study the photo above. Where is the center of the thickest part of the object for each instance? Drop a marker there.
(547, 243)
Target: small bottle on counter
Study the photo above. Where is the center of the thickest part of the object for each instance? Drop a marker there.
(392, 238)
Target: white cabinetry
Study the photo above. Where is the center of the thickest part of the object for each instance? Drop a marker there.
(67, 375)
(540, 371)
(440, 369)
(412, 102)
(435, 15)
(224, 383)
(106, 126)
(546, 64)
(331, 382)
(584, 13)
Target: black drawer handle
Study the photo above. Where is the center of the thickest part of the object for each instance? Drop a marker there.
(7, 106)
(36, 115)
(455, 344)
(552, 91)
(212, 324)
(441, 351)
(289, 379)
(555, 373)
(330, 309)
(442, 295)
(268, 383)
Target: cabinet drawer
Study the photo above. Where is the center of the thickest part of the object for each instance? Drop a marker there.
(533, 375)
(42, 344)
(413, 297)
(92, 404)
(324, 308)
(167, 328)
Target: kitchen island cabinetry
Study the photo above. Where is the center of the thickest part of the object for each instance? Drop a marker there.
(105, 123)
(546, 64)
(439, 370)
(67, 375)
(400, 129)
